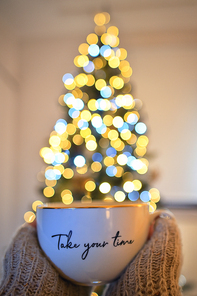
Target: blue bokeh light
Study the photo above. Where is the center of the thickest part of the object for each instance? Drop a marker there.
(111, 171)
(140, 128)
(133, 196)
(145, 196)
(106, 92)
(97, 157)
(93, 50)
(89, 67)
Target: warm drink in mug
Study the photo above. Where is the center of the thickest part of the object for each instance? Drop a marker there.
(91, 244)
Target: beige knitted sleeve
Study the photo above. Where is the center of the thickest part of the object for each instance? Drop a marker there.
(156, 268)
(28, 272)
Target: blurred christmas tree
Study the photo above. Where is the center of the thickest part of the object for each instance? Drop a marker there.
(98, 150)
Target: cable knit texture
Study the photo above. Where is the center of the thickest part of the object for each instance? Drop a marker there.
(153, 272)
(28, 272)
(156, 268)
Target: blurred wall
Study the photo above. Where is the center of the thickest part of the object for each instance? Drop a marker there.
(164, 79)
(9, 115)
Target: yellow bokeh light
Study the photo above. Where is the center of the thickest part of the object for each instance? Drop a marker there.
(90, 137)
(92, 105)
(113, 30)
(119, 196)
(114, 41)
(76, 61)
(85, 133)
(66, 191)
(121, 53)
(65, 145)
(70, 86)
(59, 167)
(101, 19)
(44, 151)
(67, 199)
(64, 136)
(108, 120)
(116, 82)
(105, 134)
(90, 185)
(91, 145)
(140, 151)
(142, 141)
(100, 83)
(83, 48)
(137, 185)
(54, 141)
(71, 129)
(48, 191)
(114, 62)
(113, 135)
(90, 80)
(92, 38)
(125, 135)
(124, 66)
(86, 115)
(132, 140)
(77, 93)
(109, 39)
(96, 166)
(29, 217)
(35, 204)
(108, 161)
(155, 194)
(121, 146)
(82, 60)
(61, 100)
(120, 172)
(127, 73)
(68, 173)
(94, 294)
(152, 207)
(105, 38)
(77, 139)
(81, 79)
(99, 63)
(116, 144)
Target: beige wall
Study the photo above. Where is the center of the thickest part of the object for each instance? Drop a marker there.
(9, 113)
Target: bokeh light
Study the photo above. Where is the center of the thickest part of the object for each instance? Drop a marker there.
(102, 140)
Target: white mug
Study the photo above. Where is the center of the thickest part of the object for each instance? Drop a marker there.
(91, 244)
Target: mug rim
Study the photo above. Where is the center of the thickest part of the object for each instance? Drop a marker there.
(90, 205)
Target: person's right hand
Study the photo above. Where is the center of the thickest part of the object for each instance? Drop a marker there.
(156, 268)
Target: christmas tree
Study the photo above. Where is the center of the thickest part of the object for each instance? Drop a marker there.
(98, 150)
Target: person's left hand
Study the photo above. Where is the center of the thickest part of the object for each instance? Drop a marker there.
(27, 271)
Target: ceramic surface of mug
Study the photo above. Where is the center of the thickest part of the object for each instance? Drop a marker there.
(91, 244)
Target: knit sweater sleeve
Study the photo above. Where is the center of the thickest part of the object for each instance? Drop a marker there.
(27, 271)
(156, 268)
